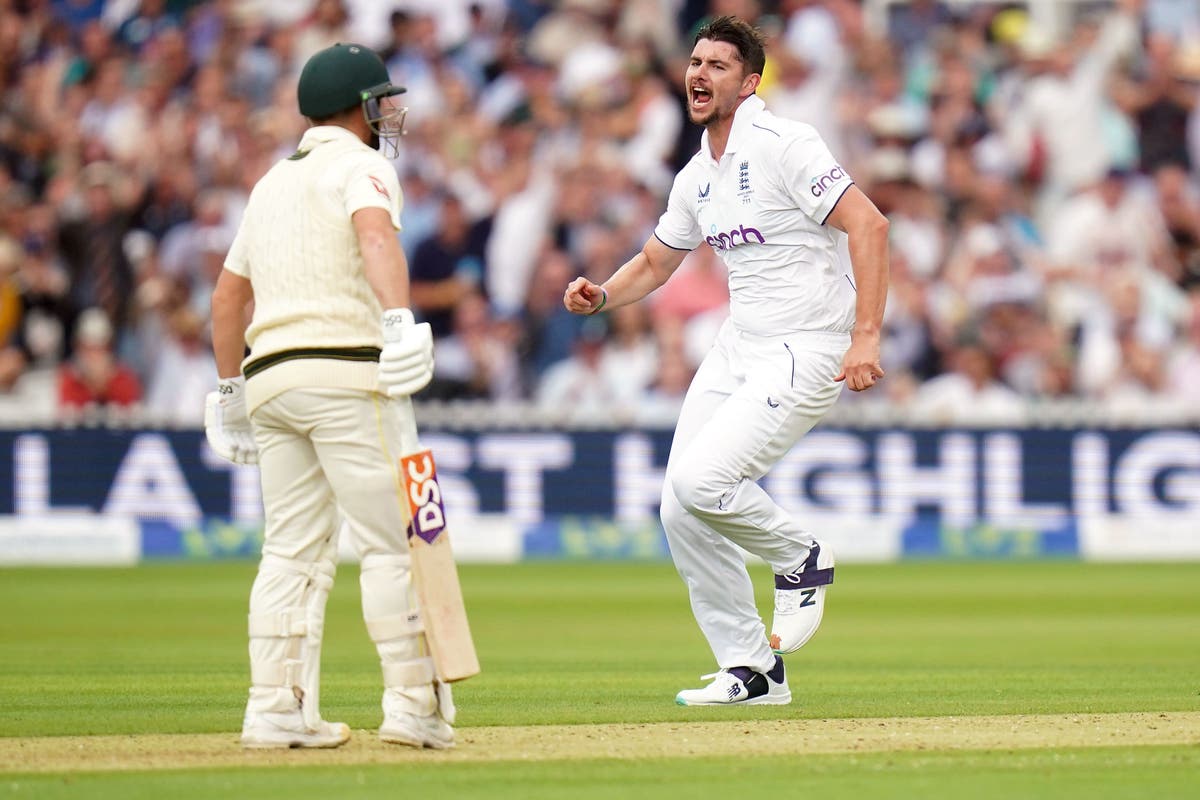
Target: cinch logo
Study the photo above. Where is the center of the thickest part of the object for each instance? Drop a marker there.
(727, 241)
(819, 185)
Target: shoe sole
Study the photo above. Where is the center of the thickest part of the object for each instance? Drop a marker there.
(418, 743)
(292, 744)
(812, 633)
(761, 700)
(820, 601)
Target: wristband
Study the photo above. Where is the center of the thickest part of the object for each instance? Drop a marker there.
(603, 302)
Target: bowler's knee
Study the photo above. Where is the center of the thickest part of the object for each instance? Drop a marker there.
(696, 489)
(670, 511)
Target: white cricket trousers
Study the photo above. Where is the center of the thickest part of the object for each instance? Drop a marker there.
(325, 450)
(751, 400)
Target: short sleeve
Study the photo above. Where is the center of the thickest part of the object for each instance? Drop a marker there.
(371, 182)
(813, 179)
(677, 227)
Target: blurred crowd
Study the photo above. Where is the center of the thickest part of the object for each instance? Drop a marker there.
(1043, 188)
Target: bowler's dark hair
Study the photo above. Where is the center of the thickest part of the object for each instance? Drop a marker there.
(742, 35)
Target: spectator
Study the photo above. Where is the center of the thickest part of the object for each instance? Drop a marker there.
(1100, 234)
(184, 372)
(447, 266)
(477, 361)
(1183, 361)
(1179, 207)
(549, 329)
(91, 240)
(1058, 123)
(970, 393)
(631, 355)
(579, 390)
(94, 378)
(132, 131)
(659, 405)
(1160, 101)
(698, 286)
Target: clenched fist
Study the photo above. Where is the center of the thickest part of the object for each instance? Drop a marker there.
(584, 297)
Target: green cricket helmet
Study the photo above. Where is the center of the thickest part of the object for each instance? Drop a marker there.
(346, 75)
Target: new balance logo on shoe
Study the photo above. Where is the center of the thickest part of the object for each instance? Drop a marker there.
(740, 686)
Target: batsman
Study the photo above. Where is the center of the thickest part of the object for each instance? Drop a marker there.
(321, 405)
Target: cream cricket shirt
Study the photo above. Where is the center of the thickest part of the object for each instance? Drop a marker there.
(297, 247)
(762, 207)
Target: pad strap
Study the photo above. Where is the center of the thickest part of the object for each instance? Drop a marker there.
(276, 673)
(445, 701)
(281, 624)
(417, 672)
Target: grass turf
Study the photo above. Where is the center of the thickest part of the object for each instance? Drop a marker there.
(1108, 773)
(161, 649)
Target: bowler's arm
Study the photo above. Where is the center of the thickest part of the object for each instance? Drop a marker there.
(637, 277)
(230, 300)
(867, 231)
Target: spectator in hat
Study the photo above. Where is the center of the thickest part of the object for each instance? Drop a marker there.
(94, 377)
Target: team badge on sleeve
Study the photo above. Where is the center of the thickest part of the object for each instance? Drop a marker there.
(379, 187)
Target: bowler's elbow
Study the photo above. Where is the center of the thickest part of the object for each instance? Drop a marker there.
(859, 218)
(874, 225)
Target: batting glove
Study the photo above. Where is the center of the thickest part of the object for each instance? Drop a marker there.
(406, 363)
(226, 425)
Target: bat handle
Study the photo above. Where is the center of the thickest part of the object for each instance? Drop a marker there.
(409, 441)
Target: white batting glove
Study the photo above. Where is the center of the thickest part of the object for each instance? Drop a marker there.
(406, 363)
(226, 425)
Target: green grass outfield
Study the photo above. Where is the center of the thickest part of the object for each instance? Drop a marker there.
(161, 650)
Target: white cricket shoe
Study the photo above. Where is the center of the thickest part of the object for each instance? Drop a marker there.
(800, 600)
(740, 686)
(283, 729)
(402, 726)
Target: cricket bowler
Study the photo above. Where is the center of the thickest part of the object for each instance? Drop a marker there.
(768, 197)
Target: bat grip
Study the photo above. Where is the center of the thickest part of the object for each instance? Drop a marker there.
(409, 441)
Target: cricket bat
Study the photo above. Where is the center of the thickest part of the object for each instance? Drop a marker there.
(434, 571)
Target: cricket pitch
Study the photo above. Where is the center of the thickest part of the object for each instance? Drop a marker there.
(64, 754)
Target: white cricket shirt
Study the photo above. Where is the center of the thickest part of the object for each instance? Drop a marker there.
(762, 208)
(298, 248)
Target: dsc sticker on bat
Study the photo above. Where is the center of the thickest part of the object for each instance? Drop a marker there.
(424, 496)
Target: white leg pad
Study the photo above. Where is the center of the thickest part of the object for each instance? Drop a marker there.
(393, 621)
(286, 626)
(394, 624)
(383, 629)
